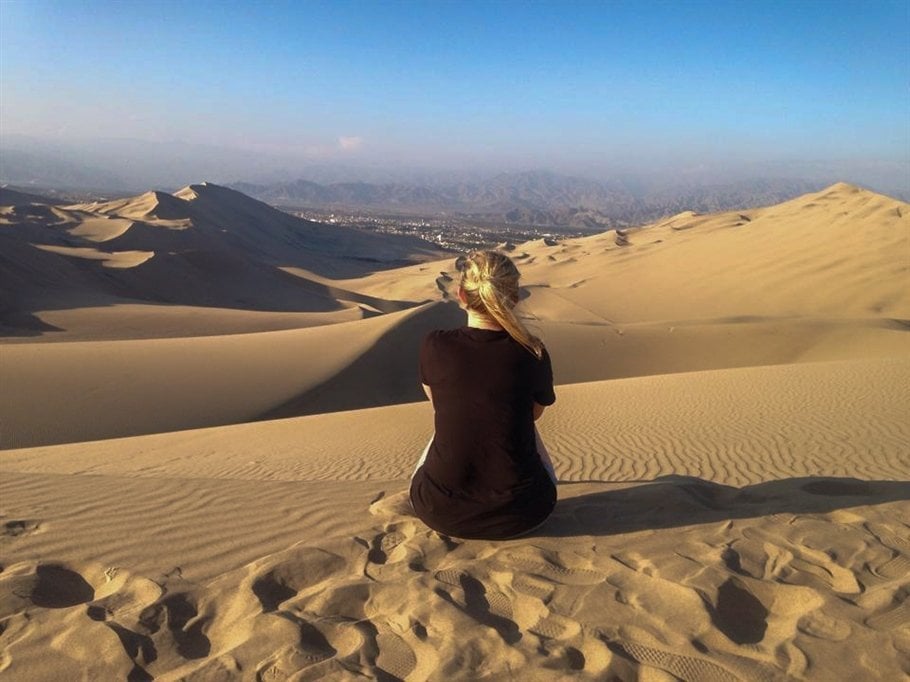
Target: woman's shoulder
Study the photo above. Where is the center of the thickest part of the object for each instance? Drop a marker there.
(437, 335)
(436, 338)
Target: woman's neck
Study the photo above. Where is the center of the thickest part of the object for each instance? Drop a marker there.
(478, 321)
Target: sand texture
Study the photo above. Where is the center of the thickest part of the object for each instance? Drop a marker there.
(205, 463)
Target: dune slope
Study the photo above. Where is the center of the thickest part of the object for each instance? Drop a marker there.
(204, 246)
(777, 540)
(212, 485)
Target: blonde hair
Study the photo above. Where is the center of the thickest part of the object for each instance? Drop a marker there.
(489, 280)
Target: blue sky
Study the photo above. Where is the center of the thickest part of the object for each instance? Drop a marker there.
(469, 83)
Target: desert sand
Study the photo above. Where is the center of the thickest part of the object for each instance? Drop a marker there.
(210, 411)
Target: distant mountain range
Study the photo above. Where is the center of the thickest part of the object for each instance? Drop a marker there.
(532, 198)
(78, 170)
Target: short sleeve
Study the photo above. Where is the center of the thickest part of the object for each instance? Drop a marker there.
(543, 381)
(425, 364)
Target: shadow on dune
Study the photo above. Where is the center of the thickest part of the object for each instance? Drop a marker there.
(21, 324)
(675, 501)
(214, 278)
(384, 375)
(219, 276)
(205, 245)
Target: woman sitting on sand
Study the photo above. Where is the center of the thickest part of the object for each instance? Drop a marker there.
(485, 473)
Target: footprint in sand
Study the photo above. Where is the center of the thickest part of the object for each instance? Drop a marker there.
(59, 587)
(555, 626)
(892, 618)
(823, 626)
(50, 586)
(391, 555)
(548, 566)
(123, 594)
(354, 618)
(298, 570)
(485, 605)
(534, 586)
(18, 527)
(129, 595)
(688, 668)
(739, 614)
(893, 569)
(382, 547)
(140, 648)
(799, 564)
(898, 565)
(180, 615)
(392, 507)
(396, 657)
(562, 658)
(308, 646)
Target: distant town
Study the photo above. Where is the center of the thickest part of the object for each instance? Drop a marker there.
(455, 233)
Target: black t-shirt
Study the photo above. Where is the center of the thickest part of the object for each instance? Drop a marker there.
(482, 477)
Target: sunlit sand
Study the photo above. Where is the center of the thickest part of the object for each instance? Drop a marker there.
(209, 482)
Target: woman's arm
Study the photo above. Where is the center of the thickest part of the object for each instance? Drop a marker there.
(537, 409)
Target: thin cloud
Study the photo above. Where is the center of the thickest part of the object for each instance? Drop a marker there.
(350, 144)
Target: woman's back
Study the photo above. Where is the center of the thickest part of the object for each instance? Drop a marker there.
(482, 476)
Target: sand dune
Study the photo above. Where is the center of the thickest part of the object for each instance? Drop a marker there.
(272, 564)
(204, 246)
(109, 259)
(731, 435)
(122, 320)
(840, 252)
(119, 389)
(274, 374)
(605, 430)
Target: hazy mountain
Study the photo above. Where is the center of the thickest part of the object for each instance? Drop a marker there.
(37, 168)
(11, 196)
(537, 197)
(123, 166)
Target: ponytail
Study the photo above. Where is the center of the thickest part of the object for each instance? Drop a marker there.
(490, 282)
